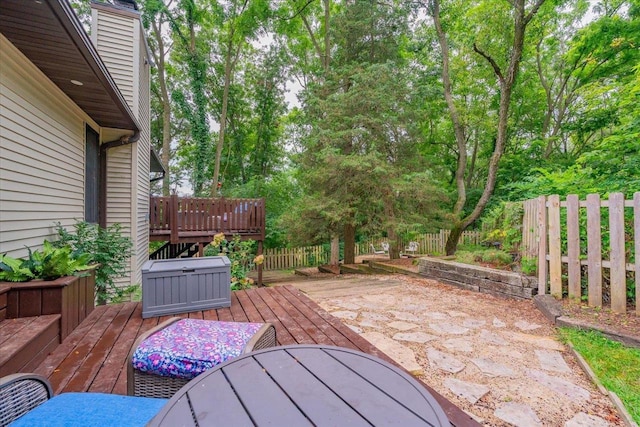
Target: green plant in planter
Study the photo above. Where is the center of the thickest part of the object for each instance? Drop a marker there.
(49, 263)
(107, 248)
(11, 270)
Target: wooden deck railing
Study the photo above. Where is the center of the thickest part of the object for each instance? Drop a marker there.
(189, 219)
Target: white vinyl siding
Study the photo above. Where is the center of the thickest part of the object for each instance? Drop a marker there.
(120, 43)
(115, 44)
(41, 155)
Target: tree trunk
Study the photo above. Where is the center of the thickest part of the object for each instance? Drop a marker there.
(506, 82)
(228, 66)
(335, 250)
(349, 244)
(452, 242)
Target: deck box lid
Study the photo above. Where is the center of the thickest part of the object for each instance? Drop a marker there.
(180, 264)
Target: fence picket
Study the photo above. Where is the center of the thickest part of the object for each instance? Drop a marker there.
(542, 245)
(618, 271)
(594, 251)
(555, 253)
(573, 245)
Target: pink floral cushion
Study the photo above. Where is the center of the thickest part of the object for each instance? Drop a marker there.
(188, 347)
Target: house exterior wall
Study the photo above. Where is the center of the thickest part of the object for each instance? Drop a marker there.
(119, 40)
(42, 155)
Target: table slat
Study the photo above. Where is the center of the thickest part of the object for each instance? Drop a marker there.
(251, 383)
(323, 406)
(216, 400)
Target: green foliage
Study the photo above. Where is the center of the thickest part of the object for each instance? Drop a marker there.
(502, 226)
(481, 255)
(241, 254)
(529, 266)
(49, 263)
(616, 366)
(12, 270)
(106, 247)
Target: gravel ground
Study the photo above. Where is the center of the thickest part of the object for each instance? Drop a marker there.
(500, 348)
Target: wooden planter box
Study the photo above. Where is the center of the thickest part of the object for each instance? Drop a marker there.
(72, 297)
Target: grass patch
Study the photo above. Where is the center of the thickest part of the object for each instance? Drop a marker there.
(616, 366)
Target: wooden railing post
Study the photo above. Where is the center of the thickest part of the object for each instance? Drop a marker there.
(173, 218)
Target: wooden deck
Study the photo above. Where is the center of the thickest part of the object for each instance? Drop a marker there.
(94, 356)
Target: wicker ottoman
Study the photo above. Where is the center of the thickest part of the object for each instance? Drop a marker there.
(168, 356)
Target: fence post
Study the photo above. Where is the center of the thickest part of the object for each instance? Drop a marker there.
(542, 245)
(617, 270)
(594, 250)
(573, 245)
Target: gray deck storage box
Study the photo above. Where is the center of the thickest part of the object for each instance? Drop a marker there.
(172, 286)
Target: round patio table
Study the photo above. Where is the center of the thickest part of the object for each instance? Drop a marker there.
(302, 385)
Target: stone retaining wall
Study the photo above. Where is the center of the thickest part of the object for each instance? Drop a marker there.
(479, 279)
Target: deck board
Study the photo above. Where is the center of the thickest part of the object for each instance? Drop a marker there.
(94, 356)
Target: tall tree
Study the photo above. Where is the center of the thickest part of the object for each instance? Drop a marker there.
(505, 68)
(241, 22)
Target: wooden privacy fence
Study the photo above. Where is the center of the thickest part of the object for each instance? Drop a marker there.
(309, 256)
(603, 236)
(428, 243)
(286, 258)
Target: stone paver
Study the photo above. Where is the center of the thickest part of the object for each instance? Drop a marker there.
(444, 361)
(346, 305)
(380, 299)
(369, 324)
(448, 328)
(402, 315)
(458, 344)
(559, 385)
(518, 414)
(526, 326)
(585, 420)
(552, 360)
(493, 369)
(417, 337)
(401, 354)
(437, 315)
(466, 390)
(374, 316)
(454, 313)
(402, 326)
(474, 323)
(492, 338)
(344, 314)
(541, 342)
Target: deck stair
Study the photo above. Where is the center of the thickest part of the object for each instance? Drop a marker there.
(175, 250)
(25, 342)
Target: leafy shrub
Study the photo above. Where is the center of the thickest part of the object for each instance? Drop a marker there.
(48, 263)
(241, 254)
(106, 247)
(529, 266)
(502, 226)
(494, 256)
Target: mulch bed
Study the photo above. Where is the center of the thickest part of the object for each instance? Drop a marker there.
(623, 323)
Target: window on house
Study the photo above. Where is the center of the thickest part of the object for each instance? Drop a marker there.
(92, 176)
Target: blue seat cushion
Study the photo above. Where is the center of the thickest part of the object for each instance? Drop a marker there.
(91, 409)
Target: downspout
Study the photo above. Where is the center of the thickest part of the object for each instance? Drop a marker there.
(102, 197)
